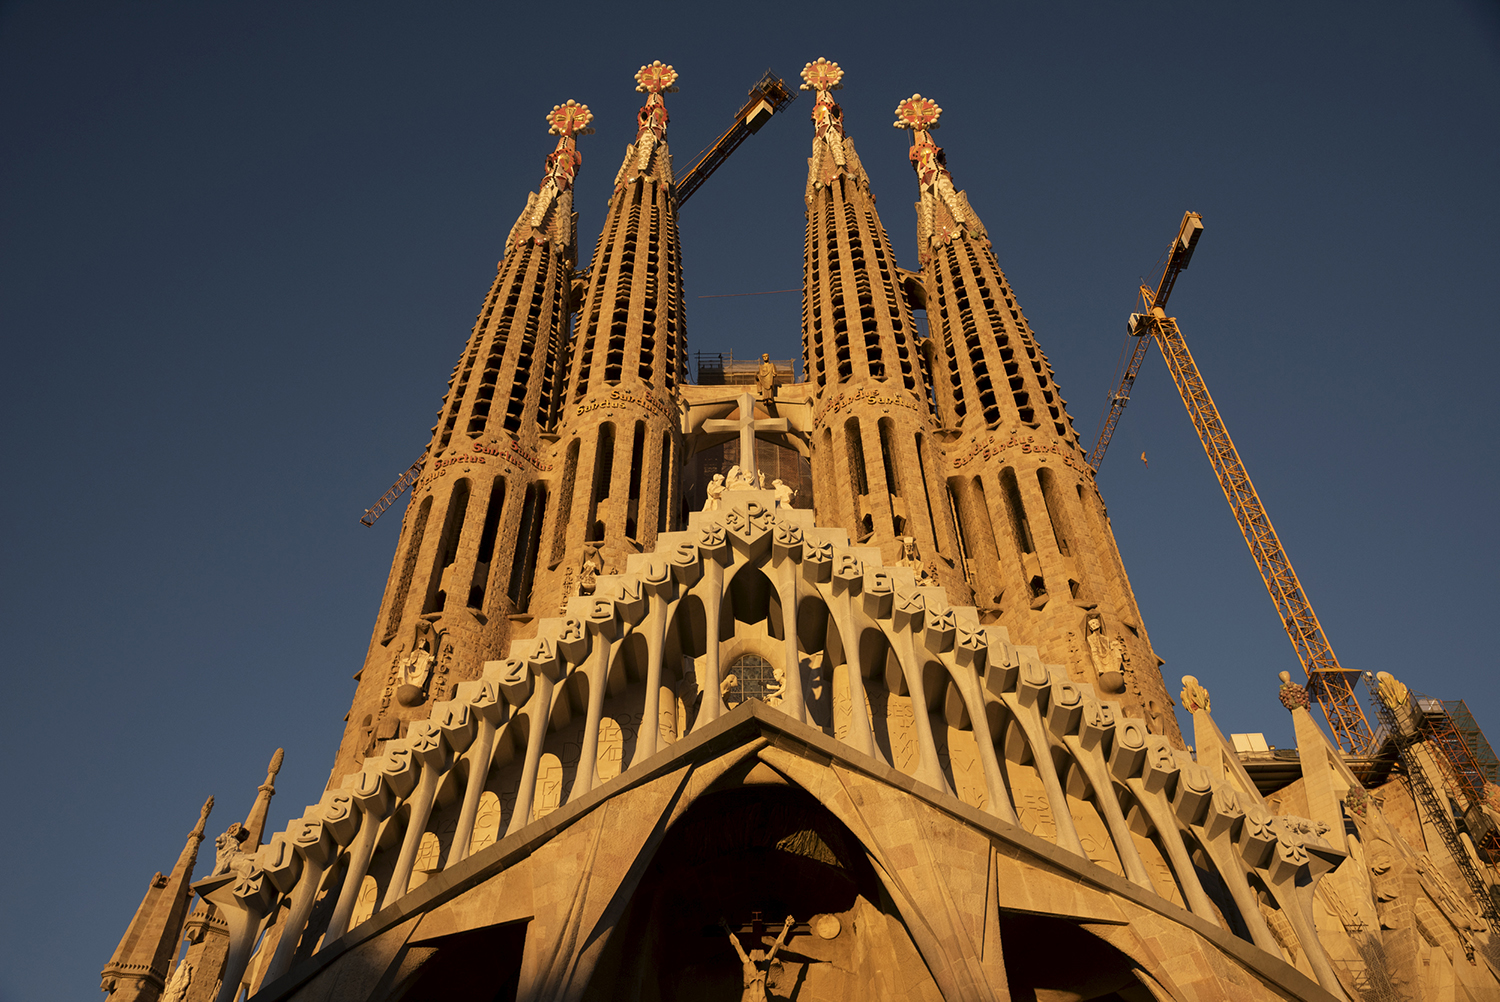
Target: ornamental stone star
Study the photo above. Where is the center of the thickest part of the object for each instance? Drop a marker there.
(822, 75)
(571, 119)
(656, 78)
(917, 112)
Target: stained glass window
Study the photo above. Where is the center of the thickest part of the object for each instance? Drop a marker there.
(754, 678)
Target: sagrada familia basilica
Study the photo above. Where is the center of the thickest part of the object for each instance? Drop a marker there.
(892, 730)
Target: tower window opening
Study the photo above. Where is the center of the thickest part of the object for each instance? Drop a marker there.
(1054, 499)
(927, 495)
(637, 458)
(447, 551)
(487, 544)
(637, 455)
(974, 509)
(855, 444)
(604, 466)
(528, 543)
(565, 503)
(884, 429)
(408, 568)
(963, 541)
(1021, 533)
(1017, 511)
(664, 478)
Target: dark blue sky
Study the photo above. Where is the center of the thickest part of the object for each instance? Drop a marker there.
(240, 247)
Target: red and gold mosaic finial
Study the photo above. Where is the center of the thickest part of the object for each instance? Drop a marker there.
(571, 119)
(656, 78)
(918, 113)
(822, 76)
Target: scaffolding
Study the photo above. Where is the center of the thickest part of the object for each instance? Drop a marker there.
(1433, 803)
(721, 368)
(1473, 738)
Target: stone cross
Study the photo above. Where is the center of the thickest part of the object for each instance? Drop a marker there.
(747, 425)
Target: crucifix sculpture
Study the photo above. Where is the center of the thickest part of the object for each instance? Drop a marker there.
(747, 425)
(754, 974)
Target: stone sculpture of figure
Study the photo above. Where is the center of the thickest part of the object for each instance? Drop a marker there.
(765, 377)
(715, 492)
(754, 973)
(229, 846)
(784, 494)
(911, 557)
(761, 476)
(416, 669)
(1108, 654)
(178, 985)
(739, 480)
(773, 695)
(593, 566)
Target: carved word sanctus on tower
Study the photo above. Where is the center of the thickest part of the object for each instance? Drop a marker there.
(896, 730)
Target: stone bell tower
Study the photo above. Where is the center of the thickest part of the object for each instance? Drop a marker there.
(874, 444)
(465, 561)
(618, 438)
(1034, 536)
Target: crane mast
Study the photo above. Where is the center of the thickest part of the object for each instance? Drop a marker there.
(1329, 683)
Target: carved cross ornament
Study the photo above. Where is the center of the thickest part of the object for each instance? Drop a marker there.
(747, 426)
(822, 76)
(655, 78)
(918, 113)
(571, 119)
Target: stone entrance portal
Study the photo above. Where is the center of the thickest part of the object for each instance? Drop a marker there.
(751, 856)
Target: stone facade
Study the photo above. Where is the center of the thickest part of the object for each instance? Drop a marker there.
(911, 741)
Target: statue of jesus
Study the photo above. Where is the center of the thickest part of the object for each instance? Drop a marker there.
(754, 974)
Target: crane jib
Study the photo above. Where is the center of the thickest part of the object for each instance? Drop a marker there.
(1328, 682)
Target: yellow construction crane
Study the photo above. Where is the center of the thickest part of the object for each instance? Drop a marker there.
(1328, 682)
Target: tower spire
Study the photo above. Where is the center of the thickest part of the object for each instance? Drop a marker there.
(648, 156)
(942, 212)
(255, 821)
(873, 453)
(1040, 554)
(833, 152)
(467, 554)
(549, 210)
(138, 970)
(619, 438)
